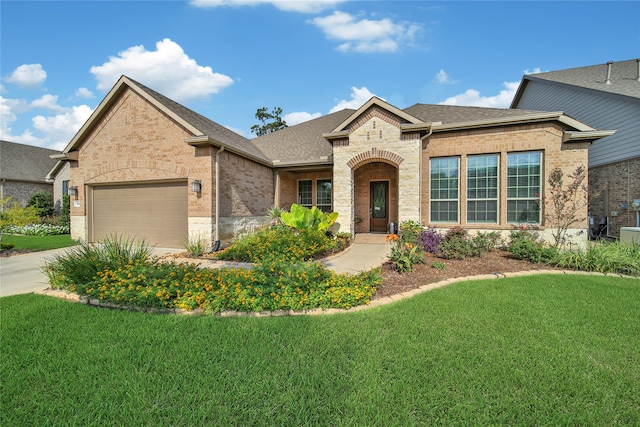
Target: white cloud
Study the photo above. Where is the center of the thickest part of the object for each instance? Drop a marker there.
(293, 119)
(83, 92)
(47, 102)
(167, 69)
(365, 35)
(29, 76)
(534, 71)
(472, 98)
(358, 98)
(443, 77)
(303, 6)
(59, 129)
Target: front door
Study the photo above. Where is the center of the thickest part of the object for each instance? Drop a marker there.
(379, 217)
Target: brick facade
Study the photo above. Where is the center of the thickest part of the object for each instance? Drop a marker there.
(620, 185)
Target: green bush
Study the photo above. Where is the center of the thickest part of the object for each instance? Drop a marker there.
(43, 202)
(65, 211)
(410, 231)
(456, 244)
(526, 244)
(603, 257)
(405, 255)
(279, 241)
(19, 216)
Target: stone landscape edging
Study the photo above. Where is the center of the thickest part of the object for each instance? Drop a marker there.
(73, 297)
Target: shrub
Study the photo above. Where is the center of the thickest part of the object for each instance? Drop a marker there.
(282, 242)
(526, 244)
(410, 231)
(65, 211)
(486, 242)
(17, 215)
(405, 255)
(430, 239)
(303, 218)
(42, 201)
(456, 244)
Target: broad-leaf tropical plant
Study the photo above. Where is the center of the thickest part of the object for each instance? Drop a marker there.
(301, 217)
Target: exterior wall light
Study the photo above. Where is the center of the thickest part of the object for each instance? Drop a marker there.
(73, 191)
(196, 186)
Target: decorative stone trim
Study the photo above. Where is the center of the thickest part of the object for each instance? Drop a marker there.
(374, 155)
(377, 112)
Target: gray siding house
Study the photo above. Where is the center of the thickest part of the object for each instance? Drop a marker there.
(606, 96)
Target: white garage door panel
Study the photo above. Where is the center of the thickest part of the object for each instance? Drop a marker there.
(156, 213)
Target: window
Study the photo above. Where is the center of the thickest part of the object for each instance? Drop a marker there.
(305, 193)
(65, 188)
(444, 189)
(482, 188)
(323, 195)
(523, 187)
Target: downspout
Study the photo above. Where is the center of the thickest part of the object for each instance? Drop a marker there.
(216, 244)
(420, 171)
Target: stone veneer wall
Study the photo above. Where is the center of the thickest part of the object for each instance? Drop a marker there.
(376, 137)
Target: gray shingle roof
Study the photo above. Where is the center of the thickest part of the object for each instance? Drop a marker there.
(205, 125)
(19, 162)
(623, 77)
(302, 142)
(450, 114)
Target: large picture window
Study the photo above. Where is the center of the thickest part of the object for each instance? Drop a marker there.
(523, 187)
(323, 195)
(482, 189)
(444, 178)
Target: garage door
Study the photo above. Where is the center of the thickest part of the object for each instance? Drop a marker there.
(156, 213)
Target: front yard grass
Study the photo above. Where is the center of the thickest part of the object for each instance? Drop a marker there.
(537, 350)
(38, 243)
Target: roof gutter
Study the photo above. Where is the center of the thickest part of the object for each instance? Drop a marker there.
(586, 136)
(530, 118)
(202, 140)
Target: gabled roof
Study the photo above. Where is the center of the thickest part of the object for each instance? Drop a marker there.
(194, 123)
(375, 101)
(19, 162)
(302, 143)
(623, 79)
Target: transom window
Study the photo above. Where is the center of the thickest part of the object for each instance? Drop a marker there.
(444, 190)
(523, 187)
(482, 188)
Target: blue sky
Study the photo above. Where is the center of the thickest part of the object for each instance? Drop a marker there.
(227, 58)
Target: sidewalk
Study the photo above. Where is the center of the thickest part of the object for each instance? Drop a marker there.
(366, 252)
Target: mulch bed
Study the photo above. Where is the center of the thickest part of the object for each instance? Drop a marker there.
(495, 262)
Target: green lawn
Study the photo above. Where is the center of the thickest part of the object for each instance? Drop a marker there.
(538, 350)
(39, 243)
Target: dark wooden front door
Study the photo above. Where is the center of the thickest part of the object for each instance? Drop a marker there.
(379, 217)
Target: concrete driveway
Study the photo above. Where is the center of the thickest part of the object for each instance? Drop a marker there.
(22, 274)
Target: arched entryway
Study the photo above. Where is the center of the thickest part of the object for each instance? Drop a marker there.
(375, 196)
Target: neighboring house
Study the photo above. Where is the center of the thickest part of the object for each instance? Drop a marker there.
(59, 175)
(606, 96)
(23, 169)
(145, 166)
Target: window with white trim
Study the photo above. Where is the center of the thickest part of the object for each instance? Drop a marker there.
(524, 187)
(482, 188)
(444, 189)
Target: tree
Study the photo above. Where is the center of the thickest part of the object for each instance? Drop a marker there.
(564, 203)
(271, 121)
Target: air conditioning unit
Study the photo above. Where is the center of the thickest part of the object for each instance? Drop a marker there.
(630, 235)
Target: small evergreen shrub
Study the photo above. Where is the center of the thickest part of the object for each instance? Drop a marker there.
(526, 244)
(42, 201)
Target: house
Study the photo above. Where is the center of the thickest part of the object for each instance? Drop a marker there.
(146, 166)
(606, 96)
(22, 171)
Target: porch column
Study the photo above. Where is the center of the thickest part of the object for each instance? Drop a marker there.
(343, 197)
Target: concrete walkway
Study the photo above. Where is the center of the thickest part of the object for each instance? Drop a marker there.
(367, 251)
